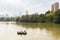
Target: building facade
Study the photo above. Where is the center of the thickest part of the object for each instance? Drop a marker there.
(55, 7)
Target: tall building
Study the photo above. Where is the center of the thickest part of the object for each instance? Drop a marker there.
(26, 12)
(55, 7)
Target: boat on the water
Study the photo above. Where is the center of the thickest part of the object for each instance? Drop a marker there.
(22, 33)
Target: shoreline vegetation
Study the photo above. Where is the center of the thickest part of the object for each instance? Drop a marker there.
(48, 17)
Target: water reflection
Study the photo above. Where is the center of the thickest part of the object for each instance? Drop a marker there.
(52, 29)
(29, 25)
(35, 31)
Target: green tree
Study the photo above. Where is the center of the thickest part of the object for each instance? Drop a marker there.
(57, 16)
(42, 18)
(48, 12)
(18, 19)
(49, 17)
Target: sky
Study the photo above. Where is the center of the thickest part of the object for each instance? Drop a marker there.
(15, 7)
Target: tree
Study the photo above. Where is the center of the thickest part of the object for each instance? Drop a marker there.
(42, 18)
(49, 17)
(48, 12)
(18, 19)
(34, 18)
(57, 16)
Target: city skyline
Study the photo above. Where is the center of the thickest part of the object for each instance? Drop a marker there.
(14, 7)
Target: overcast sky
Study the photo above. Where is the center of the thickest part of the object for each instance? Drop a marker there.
(14, 7)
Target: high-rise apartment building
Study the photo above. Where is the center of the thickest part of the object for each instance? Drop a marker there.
(55, 7)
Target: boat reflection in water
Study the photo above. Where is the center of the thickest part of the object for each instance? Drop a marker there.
(22, 33)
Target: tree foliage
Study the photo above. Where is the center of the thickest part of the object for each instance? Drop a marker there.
(47, 17)
(57, 16)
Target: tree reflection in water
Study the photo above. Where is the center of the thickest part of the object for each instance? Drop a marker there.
(49, 27)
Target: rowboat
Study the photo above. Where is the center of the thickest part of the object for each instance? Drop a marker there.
(22, 33)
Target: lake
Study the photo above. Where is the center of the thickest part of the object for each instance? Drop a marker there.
(35, 31)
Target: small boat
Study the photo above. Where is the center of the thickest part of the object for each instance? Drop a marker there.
(22, 33)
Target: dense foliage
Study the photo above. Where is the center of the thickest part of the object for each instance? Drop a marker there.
(57, 16)
(49, 16)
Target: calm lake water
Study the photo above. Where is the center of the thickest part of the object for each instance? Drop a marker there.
(35, 31)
